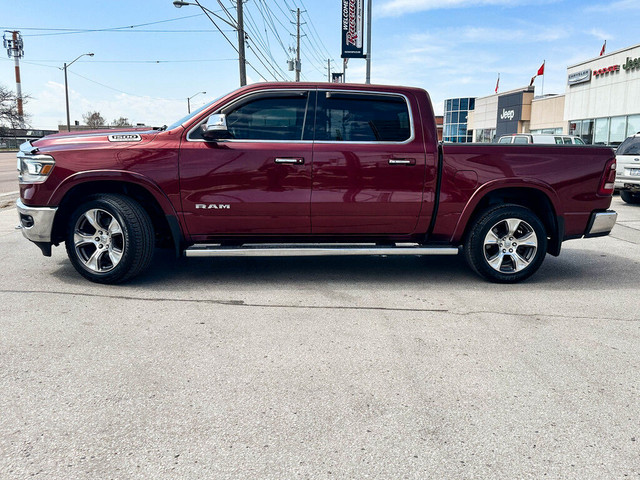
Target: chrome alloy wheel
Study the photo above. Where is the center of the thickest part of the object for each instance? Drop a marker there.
(98, 240)
(510, 245)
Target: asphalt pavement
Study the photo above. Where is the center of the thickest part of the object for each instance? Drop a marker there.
(363, 367)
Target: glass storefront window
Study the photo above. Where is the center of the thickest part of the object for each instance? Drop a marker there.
(633, 125)
(464, 104)
(574, 127)
(617, 130)
(601, 136)
(586, 132)
(456, 104)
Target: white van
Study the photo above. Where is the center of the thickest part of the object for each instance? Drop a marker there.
(523, 138)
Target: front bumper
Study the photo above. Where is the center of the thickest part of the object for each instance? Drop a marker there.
(36, 223)
(601, 223)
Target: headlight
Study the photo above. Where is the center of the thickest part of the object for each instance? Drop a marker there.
(34, 168)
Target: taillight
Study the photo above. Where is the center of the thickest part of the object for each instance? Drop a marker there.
(608, 178)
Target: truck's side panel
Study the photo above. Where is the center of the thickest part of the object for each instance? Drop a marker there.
(568, 175)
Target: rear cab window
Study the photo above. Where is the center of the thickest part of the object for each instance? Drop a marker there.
(344, 116)
(631, 146)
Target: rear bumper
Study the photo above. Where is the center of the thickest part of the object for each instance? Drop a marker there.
(36, 223)
(601, 223)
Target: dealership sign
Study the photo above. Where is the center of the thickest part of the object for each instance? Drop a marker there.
(352, 31)
(580, 77)
(631, 64)
(606, 70)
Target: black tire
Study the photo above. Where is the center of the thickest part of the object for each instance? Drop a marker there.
(105, 251)
(513, 256)
(630, 197)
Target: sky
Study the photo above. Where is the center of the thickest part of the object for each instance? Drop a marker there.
(154, 56)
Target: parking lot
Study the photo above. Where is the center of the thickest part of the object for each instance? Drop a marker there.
(364, 367)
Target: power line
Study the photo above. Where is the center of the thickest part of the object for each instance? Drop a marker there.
(68, 31)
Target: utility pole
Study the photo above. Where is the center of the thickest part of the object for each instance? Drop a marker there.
(243, 63)
(15, 49)
(328, 70)
(298, 65)
(368, 77)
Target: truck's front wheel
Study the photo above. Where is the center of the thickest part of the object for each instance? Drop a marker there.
(506, 244)
(110, 238)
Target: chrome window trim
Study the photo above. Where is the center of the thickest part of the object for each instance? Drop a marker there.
(411, 138)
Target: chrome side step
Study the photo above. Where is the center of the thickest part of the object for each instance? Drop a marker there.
(313, 250)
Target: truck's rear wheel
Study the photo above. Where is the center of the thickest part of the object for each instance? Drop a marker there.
(630, 197)
(110, 239)
(507, 244)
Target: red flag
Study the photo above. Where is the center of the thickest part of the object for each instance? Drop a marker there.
(541, 69)
(604, 45)
(497, 83)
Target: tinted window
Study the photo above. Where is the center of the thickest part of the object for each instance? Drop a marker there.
(505, 140)
(631, 146)
(578, 141)
(521, 140)
(279, 117)
(344, 117)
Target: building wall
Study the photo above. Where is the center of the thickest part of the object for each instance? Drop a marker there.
(547, 113)
(456, 111)
(602, 102)
(607, 94)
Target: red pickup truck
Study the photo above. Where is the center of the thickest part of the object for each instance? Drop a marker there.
(309, 169)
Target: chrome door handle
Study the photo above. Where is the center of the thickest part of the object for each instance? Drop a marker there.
(290, 161)
(402, 161)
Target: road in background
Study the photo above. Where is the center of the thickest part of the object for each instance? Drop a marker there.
(363, 367)
(8, 173)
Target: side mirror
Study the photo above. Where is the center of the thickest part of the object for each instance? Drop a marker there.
(216, 127)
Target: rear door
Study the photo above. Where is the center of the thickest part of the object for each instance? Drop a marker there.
(368, 164)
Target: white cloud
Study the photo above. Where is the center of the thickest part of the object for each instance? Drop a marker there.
(614, 6)
(48, 107)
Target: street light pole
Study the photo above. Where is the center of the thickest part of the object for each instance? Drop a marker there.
(66, 87)
(189, 100)
(239, 26)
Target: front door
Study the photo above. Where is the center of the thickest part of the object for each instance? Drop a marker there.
(368, 165)
(259, 180)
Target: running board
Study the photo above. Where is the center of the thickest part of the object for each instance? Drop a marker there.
(306, 250)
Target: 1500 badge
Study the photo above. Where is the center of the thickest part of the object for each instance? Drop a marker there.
(129, 137)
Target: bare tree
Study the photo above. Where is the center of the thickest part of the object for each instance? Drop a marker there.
(121, 122)
(93, 119)
(9, 109)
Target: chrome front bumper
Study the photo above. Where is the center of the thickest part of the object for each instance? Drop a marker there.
(36, 223)
(601, 223)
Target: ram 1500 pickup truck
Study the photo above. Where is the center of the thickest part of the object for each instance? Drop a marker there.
(309, 169)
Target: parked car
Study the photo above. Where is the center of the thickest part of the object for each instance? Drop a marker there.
(521, 138)
(628, 169)
(308, 169)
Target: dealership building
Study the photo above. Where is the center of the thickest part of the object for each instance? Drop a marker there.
(601, 104)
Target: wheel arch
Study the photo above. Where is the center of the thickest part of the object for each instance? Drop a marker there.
(540, 199)
(165, 220)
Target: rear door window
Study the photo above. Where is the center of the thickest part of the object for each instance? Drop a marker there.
(505, 140)
(521, 140)
(362, 117)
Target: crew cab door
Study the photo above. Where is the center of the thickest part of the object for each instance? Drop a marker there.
(368, 164)
(259, 180)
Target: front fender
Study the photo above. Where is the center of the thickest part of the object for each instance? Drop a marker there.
(120, 176)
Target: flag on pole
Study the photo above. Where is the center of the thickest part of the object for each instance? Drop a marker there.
(604, 45)
(541, 69)
(532, 79)
(497, 83)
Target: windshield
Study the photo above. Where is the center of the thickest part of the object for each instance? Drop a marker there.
(191, 115)
(631, 146)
